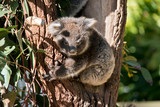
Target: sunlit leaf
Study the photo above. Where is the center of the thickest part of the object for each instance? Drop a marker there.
(2, 42)
(6, 72)
(21, 53)
(126, 67)
(147, 76)
(19, 38)
(8, 50)
(130, 74)
(2, 13)
(26, 7)
(132, 58)
(133, 71)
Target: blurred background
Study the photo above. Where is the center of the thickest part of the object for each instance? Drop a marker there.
(142, 34)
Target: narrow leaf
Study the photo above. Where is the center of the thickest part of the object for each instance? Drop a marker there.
(26, 7)
(133, 64)
(131, 58)
(146, 75)
(1, 79)
(17, 77)
(2, 42)
(19, 38)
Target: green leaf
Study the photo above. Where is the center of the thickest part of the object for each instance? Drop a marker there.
(2, 42)
(3, 32)
(3, 60)
(19, 38)
(1, 79)
(27, 43)
(26, 7)
(6, 72)
(133, 64)
(11, 27)
(146, 75)
(131, 58)
(17, 77)
(33, 59)
(8, 50)
(2, 13)
(21, 53)
(13, 6)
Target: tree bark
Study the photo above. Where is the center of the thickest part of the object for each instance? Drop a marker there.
(111, 16)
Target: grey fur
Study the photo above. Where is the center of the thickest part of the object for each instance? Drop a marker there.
(75, 7)
(88, 53)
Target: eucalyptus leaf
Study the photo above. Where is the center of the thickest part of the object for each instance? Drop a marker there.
(13, 6)
(133, 64)
(130, 58)
(8, 50)
(17, 77)
(2, 13)
(6, 72)
(3, 60)
(26, 7)
(146, 75)
(2, 42)
(19, 38)
(1, 79)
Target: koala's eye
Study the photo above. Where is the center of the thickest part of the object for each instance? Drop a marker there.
(66, 33)
(64, 42)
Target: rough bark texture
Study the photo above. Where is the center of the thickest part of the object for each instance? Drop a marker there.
(68, 93)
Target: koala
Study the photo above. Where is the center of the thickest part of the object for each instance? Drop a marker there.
(88, 55)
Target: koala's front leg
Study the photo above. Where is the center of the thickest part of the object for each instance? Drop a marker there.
(70, 68)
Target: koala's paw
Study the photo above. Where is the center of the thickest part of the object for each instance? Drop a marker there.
(51, 75)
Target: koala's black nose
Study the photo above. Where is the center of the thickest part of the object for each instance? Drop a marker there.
(72, 49)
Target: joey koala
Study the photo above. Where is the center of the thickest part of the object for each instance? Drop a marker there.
(88, 54)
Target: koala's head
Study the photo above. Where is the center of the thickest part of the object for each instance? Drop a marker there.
(72, 34)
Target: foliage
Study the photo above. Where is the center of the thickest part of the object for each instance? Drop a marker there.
(17, 58)
(142, 36)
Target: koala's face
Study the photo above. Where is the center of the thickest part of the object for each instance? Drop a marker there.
(72, 34)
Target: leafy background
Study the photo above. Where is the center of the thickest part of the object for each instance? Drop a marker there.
(142, 34)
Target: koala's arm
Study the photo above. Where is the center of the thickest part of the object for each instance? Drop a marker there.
(70, 68)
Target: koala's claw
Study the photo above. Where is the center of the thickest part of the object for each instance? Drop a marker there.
(47, 77)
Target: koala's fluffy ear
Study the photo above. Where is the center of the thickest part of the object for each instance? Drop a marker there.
(89, 22)
(54, 28)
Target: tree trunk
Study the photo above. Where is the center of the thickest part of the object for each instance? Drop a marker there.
(68, 93)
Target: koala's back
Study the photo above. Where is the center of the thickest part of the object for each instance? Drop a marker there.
(100, 59)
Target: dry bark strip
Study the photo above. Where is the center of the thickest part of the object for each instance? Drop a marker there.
(111, 16)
